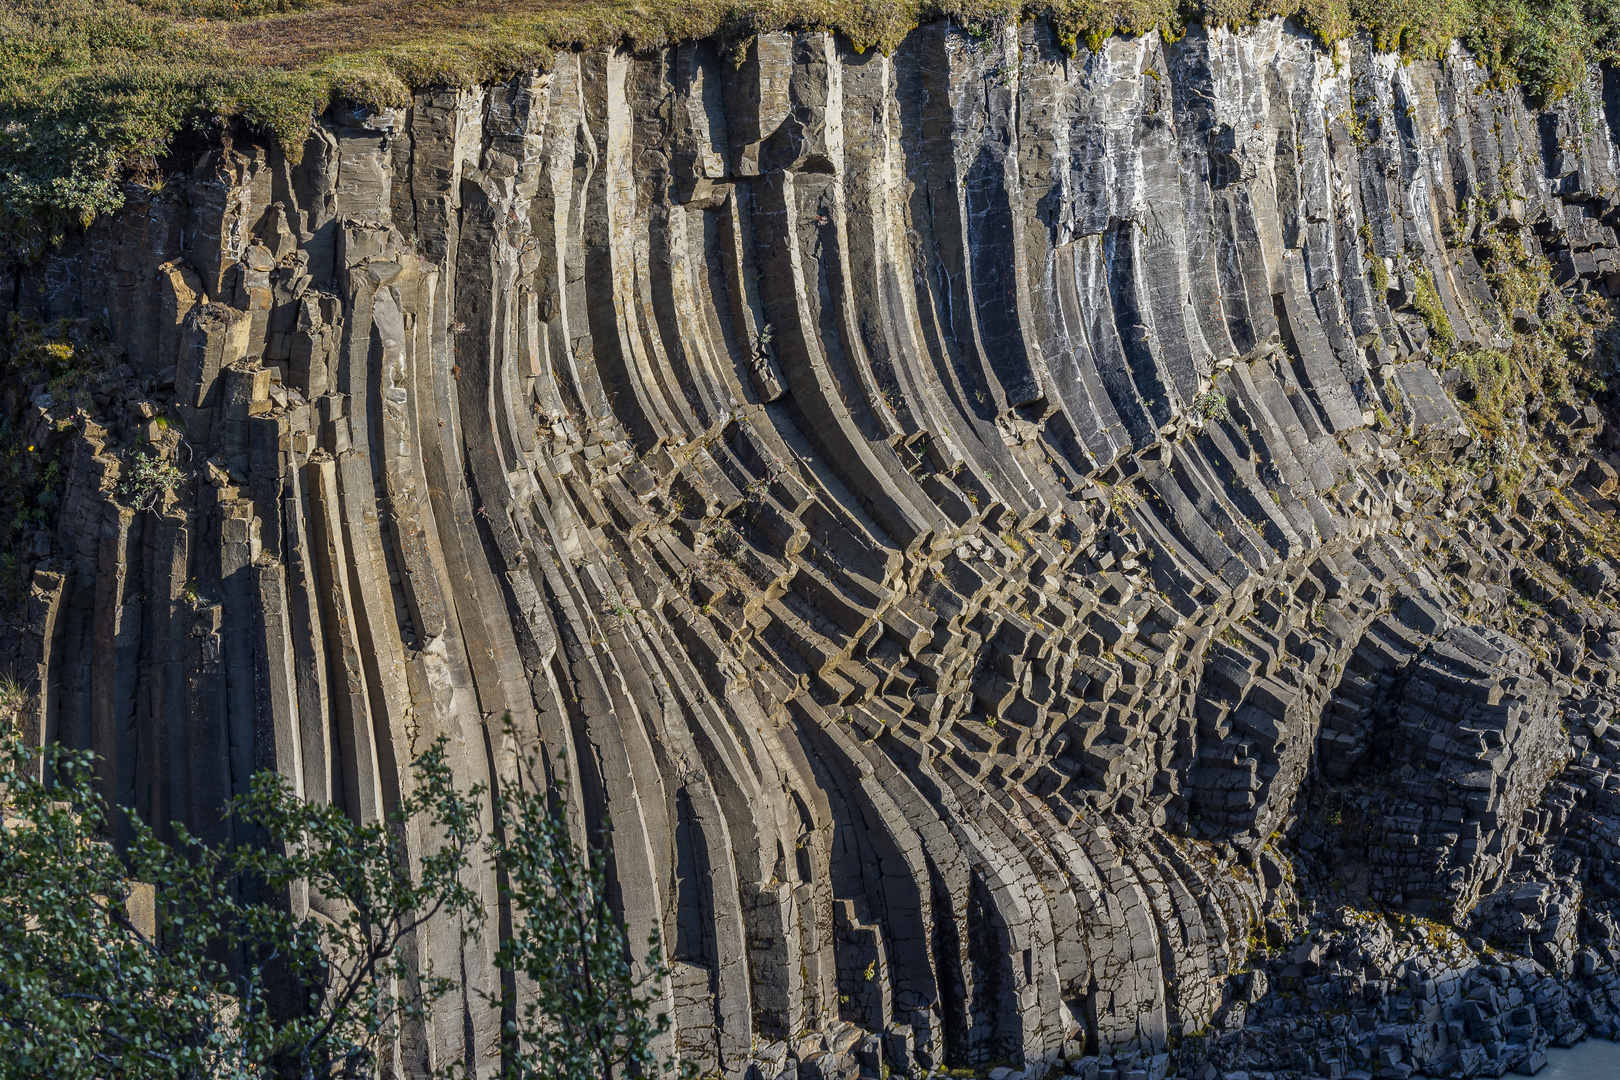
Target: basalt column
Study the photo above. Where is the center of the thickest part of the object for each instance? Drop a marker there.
(960, 514)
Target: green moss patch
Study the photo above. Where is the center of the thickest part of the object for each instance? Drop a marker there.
(1426, 301)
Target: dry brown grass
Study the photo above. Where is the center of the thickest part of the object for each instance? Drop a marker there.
(294, 40)
(478, 33)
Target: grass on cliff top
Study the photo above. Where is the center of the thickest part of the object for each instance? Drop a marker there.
(91, 89)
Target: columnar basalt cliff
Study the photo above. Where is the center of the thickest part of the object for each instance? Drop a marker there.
(992, 529)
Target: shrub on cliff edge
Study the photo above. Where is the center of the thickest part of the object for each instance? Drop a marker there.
(289, 951)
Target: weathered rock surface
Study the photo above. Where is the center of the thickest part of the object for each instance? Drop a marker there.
(963, 515)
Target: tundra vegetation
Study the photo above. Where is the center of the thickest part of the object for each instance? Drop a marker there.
(93, 92)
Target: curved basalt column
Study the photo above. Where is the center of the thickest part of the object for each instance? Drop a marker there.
(930, 503)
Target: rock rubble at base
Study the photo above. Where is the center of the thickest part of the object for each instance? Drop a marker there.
(1434, 1012)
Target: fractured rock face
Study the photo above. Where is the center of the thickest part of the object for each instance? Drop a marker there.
(1475, 739)
(956, 513)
